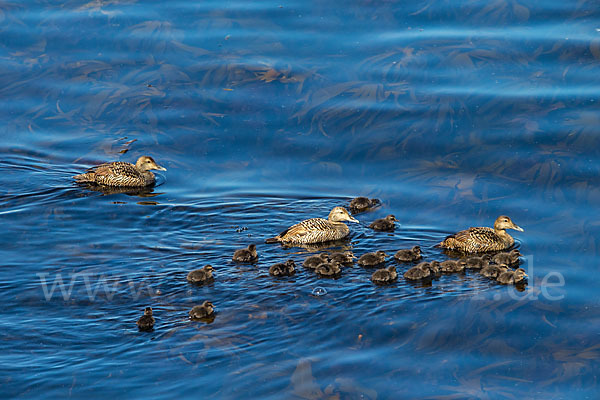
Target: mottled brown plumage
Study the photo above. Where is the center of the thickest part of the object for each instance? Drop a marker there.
(317, 230)
(146, 321)
(283, 269)
(247, 255)
(482, 239)
(408, 255)
(122, 174)
(384, 275)
(384, 224)
(512, 277)
(202, 275)
(372, 259)
(362, 204)
(205, 310)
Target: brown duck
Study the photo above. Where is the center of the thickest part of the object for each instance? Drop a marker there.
(329, 270)
(122, 174)
(283, 269)
(408, 255)
(202, 275)
(508, 258)
(146, 321)
(205, 310)
(512, 277)
(362, 204)
(482, 239)
(372, 259)
(312, 262)
(423, 270)
(247, 255)
(384, 275)
(384, 224)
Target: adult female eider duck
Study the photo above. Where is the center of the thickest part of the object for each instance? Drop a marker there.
(146, 321)
(482, 239)
(317, 230)
(202, 275)
(122, 174)
(361, 204)
(384, 224)
(384, 275)
(247, 255)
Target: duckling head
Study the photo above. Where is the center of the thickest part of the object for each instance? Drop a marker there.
(520, 274)
(391, 218)
(503, 222)
(146, 163)
(207, 304)
(148, 311)
(339, 214)
(209, 268)
(381, 253)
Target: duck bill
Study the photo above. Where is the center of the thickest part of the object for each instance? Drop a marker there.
(159, 168)
(517, 228)
(351, 219)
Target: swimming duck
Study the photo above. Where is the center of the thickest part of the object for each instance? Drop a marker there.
(202, 275)
(283, 269)
(329, 270)
(312, 262)
(317, 230)
(493, 270)
(422, 271)
(510, 277)
(452, 266)
(122, 174)
(482, 239)
(146, 321)
(247, 255)
(409, 255)
(478, 262)
(508, 258)
(372, 259)
(384, 275)
(384, 224)
(361, 204)
(344, 258)
(203, 311)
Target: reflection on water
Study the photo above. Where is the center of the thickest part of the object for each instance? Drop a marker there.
(267, 114)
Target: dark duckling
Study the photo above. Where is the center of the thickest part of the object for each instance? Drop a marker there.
(203, 311)
(372, 259)
(329, 270)
(312, 262)
(345, 258)
(384, 224)
(317, 230)
(146, 321)
(202, 275)
(508, 258)
(482, 239)
(361, 204)
(493, 270)
(512, 277)
(423, 270)
(122, 174)
(478, 262)
(408, 255)
(247, 255)
(283, 269)
(452, 266)
(384, 275)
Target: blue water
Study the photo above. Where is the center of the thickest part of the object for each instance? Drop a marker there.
(267, 113)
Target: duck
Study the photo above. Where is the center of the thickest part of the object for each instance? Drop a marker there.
(422, 270)
(247, 255)
(477, 262)
(283, 269)
(372, 259)
(329, 270)
(452, 266)
(512, 277)
(384, 275)
(344, 258)
(483, 239)
(146, 321)
(384, 224)
(493, 270)
(317, 230)
(362, 204)
(508, 258)
(408, 255)
(202, 275)
(312, 262)
(122, 174)
(205, 310)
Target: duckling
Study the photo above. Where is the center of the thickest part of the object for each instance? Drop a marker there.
(481, 239)
(146, 321)
(203, 311)
(203, 275)
(317, 230)
(361, 204)
(508, 258)
(247, 255)
(329, 270)
(511, 277)
(408, 255)
(283, 269)
(384, 275)
(122, 174)
(452, 266)
(372, 259)
(493, 270)
(478, 262)
(423, 270)
(384, 224)
(312, 262)
(344, 258)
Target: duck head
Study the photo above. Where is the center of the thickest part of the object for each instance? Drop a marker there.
(503, 222)
(339, 214)
(146, 163)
